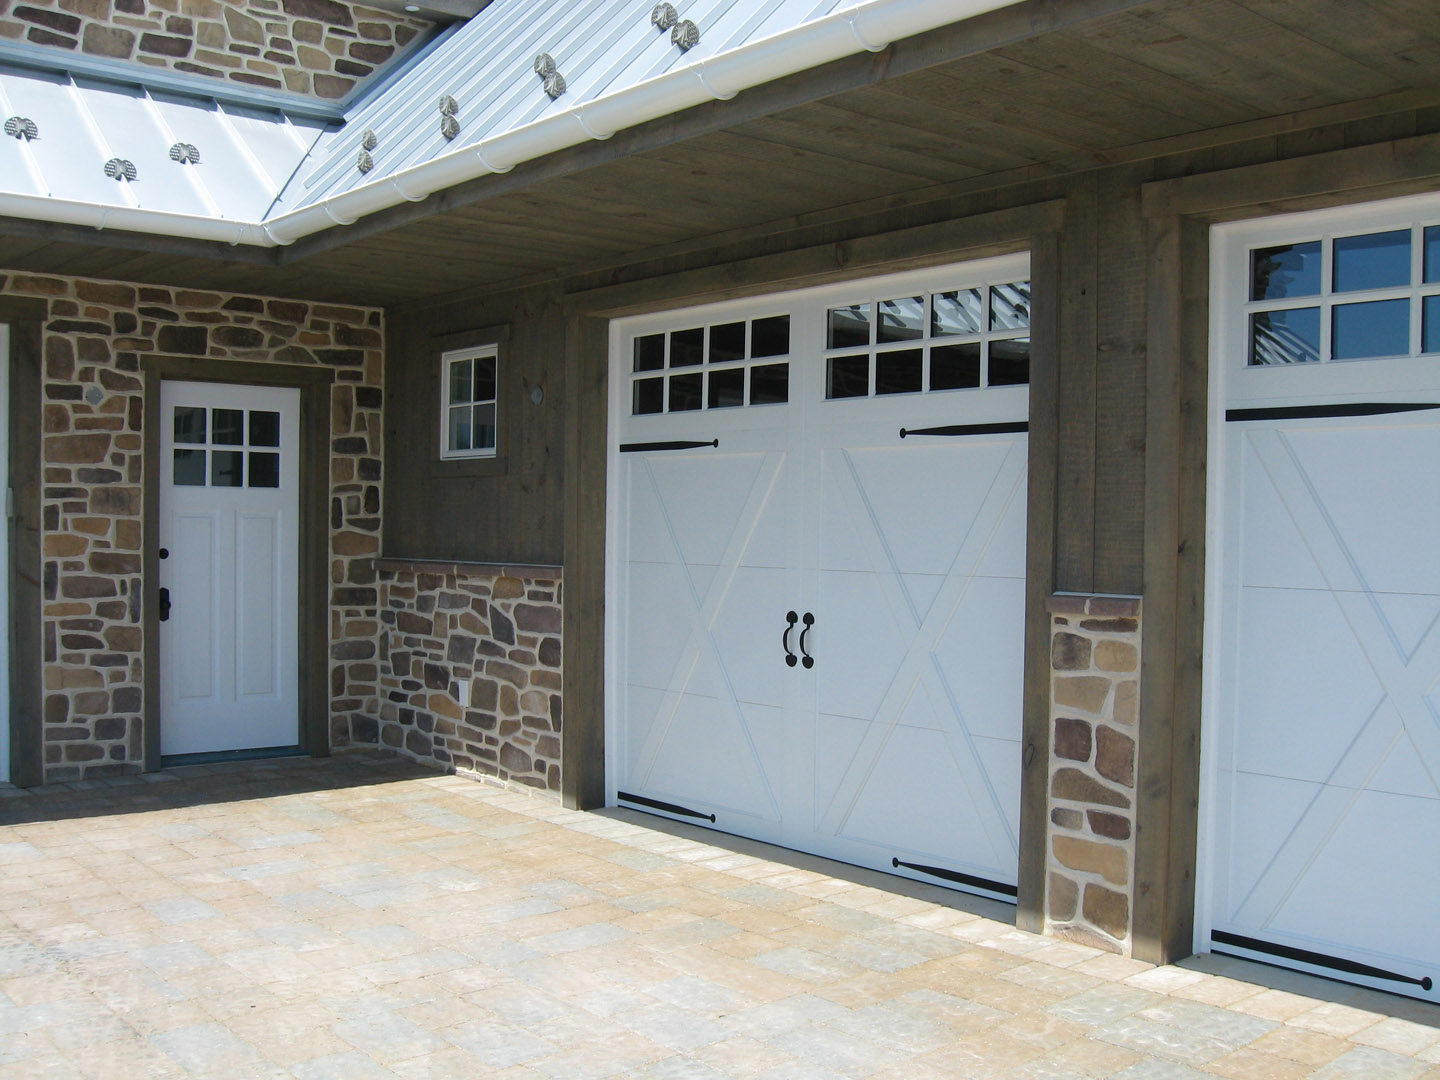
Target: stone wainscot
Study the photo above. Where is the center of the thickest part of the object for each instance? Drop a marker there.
(1095, 673)
(470, 668)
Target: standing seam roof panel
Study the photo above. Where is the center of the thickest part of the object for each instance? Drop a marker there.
(599, 47)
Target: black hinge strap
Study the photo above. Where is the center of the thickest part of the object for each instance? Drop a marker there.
(1305, 956)
(959, 878)
(646, 447)
(1321, 412)
(669, 808)
(969, 429)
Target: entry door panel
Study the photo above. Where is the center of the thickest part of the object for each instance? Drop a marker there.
(229, 535)
(1329, 780)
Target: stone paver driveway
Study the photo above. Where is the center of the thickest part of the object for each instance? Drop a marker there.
(357, 918)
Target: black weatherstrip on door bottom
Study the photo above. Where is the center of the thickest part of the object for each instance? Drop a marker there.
(959, 878)
(669, 808)
(646, 447)
(1305, 956)
(1006, 428)
(1321, 412)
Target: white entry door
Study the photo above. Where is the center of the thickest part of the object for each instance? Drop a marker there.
(818, 549)
(1323, 719)
(229, 543)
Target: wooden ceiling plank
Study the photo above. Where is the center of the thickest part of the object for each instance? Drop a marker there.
(854, 138)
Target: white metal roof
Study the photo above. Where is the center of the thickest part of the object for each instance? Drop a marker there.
(472, 104)
(229, 162)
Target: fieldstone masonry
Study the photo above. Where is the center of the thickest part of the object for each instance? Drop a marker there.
(1095, 683)
(492, 630)
(95, 337)
(317, 47)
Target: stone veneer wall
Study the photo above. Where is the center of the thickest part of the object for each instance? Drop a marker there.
(93, 470)
(493, 628)
(1095, 673)
(316, 47)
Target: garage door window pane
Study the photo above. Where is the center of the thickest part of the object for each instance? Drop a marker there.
(1379, 328)
(1431, 332)
(848, 327)
(1286, 270)
(649, 396)
(1010, 306)
(955, 367)
(1285, 337)
(899, 372)
(650, 352)
(687, 347)
(769, 384)
(727, 343)
(1009, 362)
(958, 312)
(685, 392)
(727, 388)
(901, 320)
(770, 337)
(1373, 261)
(848, 376)
(1432, 254)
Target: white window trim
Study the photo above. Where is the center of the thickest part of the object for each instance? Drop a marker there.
(479, 352)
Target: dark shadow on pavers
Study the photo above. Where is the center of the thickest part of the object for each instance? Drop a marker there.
(203, 785)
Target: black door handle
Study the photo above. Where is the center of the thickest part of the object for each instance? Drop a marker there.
(164, 605)
(790, 620)
(809, 621)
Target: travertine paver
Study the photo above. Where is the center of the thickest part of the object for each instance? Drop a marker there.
(359, 917)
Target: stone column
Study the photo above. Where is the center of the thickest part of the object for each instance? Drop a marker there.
(1095, 691)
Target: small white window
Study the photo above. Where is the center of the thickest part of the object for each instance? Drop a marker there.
(468, 379)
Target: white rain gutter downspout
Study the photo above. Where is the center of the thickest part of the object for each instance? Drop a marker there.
(872, 24)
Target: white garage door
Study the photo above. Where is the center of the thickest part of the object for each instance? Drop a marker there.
(1325, 616)
(818, 558)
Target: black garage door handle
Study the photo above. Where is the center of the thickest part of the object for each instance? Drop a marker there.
(790, 620)
(809, 621)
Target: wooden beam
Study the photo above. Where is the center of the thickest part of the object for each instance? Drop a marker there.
(1167, 781)
(26, 319)
(993, 233)
(1383, 168)
(1047, 289)
(586, 389)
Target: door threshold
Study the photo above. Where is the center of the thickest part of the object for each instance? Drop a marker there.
(218, 757)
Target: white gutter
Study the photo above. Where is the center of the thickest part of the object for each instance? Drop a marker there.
(132, 219)
(868, 25)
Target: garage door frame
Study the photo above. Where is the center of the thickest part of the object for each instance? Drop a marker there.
(1035, 227)
(1302, 390)
(816, 422)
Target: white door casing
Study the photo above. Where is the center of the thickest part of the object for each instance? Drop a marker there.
(229, 540)
(1321, 754)
(900, 748)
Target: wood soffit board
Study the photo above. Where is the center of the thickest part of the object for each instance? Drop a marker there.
(1109, 81)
